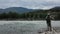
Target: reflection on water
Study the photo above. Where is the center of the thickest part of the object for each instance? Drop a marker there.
(24, 27)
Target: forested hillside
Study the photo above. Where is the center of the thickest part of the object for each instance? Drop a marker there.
(34, 15)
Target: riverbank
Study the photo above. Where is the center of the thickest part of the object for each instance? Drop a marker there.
(25, 20)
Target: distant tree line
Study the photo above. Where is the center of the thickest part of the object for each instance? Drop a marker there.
(26, 16)
(58, 17)
(15, 16)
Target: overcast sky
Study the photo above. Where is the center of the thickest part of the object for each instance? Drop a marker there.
(31, 4)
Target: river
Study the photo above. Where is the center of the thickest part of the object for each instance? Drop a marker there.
(24, 27)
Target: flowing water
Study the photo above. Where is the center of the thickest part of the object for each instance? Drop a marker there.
(25, 27)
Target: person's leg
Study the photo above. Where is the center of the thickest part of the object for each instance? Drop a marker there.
(49, 26)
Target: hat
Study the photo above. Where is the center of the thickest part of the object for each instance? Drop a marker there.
(48, 14)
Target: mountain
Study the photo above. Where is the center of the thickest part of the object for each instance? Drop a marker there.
(56, 8)
(24, 10)
(16, 9)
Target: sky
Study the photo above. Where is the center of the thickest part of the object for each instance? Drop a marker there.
(31, 4)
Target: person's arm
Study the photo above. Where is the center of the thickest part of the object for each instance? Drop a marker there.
(52, 17)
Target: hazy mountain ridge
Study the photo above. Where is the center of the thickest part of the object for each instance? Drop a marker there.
(16, 9)
(56, 8)
(24, 10)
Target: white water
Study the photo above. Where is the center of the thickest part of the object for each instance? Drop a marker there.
(24, 27)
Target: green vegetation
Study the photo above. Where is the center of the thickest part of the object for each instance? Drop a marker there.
(34, 15)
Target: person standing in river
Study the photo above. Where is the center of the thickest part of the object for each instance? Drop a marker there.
(48, 21)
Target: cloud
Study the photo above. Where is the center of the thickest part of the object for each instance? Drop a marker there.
(35, 4)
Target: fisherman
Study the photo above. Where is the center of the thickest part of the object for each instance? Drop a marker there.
(48, 20)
